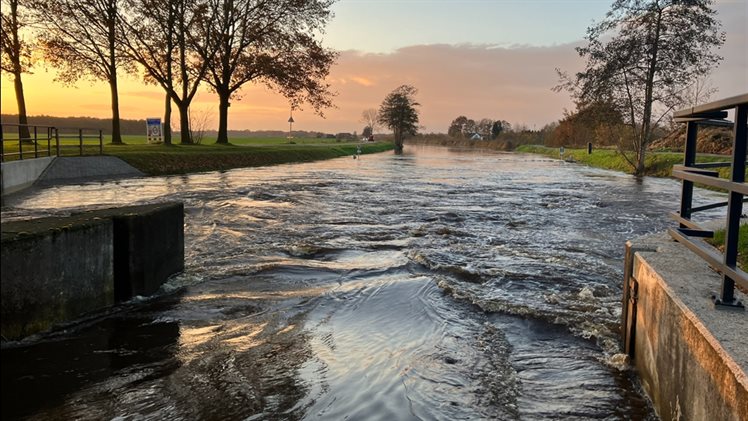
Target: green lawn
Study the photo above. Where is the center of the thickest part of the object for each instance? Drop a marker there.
(159, 159)
(658, 164)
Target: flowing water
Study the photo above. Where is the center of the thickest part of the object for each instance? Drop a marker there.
(438, 284)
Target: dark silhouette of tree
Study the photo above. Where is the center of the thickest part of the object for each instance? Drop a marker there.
(79, 38)
(165, 37)
(641, 57)
(272, 42)
(399, 114)
(16, 54)
(496, 129)
(367, 132)
(457, 127)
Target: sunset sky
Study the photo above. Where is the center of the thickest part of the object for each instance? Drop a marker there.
(479, 58)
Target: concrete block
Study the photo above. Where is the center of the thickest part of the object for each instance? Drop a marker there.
(56, 269)
(148, 246)
(54, 272)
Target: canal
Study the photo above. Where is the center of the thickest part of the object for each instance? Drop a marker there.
(438, 284)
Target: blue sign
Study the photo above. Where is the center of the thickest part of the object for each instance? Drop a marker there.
(153, 130)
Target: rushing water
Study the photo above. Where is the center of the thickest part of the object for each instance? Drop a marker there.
(438, 284)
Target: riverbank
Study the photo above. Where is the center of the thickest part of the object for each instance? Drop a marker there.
(160, 159)
(182, 159)
(657, 164)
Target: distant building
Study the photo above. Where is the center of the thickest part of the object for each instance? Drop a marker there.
(476, 136)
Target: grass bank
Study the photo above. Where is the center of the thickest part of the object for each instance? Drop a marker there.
(158, 159)
(657, 164)
(181, 159)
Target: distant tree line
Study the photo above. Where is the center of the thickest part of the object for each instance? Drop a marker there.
(466, 128)
(178, 45)
(137, 127)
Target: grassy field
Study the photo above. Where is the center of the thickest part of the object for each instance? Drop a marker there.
(158, 159)
(658, 164)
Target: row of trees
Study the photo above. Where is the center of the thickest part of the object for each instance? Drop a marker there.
(463, 127)
(178, 45)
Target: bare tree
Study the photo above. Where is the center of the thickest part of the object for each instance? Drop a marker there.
(641, 57)
(80, 39)
(370, 118)
(164, 37)
(272, 42)
(16, 54)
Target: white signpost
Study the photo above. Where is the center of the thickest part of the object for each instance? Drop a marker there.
(153, 130)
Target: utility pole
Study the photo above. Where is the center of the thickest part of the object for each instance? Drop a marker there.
(290, 126)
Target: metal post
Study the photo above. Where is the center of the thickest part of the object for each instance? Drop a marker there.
(57, 140)
(101, 143)
(36, 145)
(735, 203)
(2, 145)
(49, 141)
(689, 159)
(20, 144)
(80, 141)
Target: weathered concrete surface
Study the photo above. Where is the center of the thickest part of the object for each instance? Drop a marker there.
(692, 358)
(18, 175)
(56, 269)
(148, 246)
(54, 272)
(69, 169)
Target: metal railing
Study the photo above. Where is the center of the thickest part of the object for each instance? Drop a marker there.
(715, 113)
(80, 144)
(28, 140)
(24, 141)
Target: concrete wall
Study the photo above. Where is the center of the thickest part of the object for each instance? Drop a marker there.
(148, 246)
(18, 175)
(56, 269)
(691, 356)
(54, 275)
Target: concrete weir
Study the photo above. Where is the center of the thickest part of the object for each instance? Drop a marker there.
(56, 269)
(692, 357)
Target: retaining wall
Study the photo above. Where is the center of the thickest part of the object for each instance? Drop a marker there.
(691, 357)
(57, 269)
(18, 175)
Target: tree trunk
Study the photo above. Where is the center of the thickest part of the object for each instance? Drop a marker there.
(116, 132)
(646, 131)
(223, 118)
(184, 123)
(398, 141)
(23, 130)
(167, 120)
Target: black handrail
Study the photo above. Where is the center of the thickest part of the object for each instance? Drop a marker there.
(690, 172)
(36, 134)
(50, 134)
